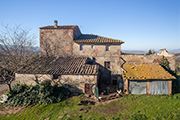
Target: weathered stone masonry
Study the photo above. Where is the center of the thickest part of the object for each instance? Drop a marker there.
(76, 83)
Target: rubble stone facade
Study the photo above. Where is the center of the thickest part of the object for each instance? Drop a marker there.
(76, 83)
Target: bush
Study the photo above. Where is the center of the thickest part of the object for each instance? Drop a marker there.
(44, 93)
(176, 96)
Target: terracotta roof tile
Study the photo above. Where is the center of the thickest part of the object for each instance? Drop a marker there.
(69, 65)
(59, 27)
(90, 38)
(144, 71)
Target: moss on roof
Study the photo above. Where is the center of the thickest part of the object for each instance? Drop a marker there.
(145, 71)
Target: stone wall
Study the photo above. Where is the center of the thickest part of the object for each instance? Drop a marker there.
(97, 50)
(31, 79)
(76, 83)
(58, 41)
(114, 62)
(99, 53)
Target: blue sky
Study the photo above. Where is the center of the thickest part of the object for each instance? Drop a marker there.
(142, 24)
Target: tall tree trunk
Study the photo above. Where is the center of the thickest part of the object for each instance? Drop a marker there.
(9, 84)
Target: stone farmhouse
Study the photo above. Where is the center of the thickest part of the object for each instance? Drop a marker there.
(84, 61)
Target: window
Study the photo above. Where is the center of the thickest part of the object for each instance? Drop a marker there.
(114, 81)
(107, 47)
(68, 48)
(79, 77)
(56, 76)
(107, 64)
(92, 46)
(81, 47)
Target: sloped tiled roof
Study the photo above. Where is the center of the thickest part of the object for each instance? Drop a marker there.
(59, 27)
(60, 66)
(90, 38)
(145, 71)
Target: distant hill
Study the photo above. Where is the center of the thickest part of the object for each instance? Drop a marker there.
(175, 51)
(134, 52)
(177, 57)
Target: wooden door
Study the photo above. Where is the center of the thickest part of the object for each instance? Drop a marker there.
(138, 87)
(159, 87)
(87, 88)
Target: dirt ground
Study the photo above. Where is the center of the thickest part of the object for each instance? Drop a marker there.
(105, 99)
(111, 110)
(9, 110)
(3, 87)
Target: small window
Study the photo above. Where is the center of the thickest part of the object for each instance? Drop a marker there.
(92, 46)
(107, 64)
(107, 47)
(114, 81)
(79, 77)
(56, 76)
(81, 47)
(68, 48)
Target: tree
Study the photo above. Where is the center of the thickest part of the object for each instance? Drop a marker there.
(16, 49)
(150, 52)
(165, 63)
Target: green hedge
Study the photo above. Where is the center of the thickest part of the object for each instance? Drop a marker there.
(44, 93)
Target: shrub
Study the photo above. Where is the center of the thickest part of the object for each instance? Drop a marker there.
(176, 96)
(44, 93)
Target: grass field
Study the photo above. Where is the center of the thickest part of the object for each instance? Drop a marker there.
(132, 107)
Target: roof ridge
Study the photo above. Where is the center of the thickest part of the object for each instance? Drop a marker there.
(59, 27)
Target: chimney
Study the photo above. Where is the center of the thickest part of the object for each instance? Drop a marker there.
(55, 23)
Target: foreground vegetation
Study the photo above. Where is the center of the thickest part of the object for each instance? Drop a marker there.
(43, 93)
(128, 107)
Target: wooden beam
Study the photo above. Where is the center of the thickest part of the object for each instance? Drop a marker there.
(148, 87)
(126, 86)
(170, 87)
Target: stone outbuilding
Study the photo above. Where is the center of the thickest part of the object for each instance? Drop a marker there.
(146, 78)
(78, 74)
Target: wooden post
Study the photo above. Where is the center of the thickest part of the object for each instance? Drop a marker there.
(170, 87)
(148, 87)
(126, 86)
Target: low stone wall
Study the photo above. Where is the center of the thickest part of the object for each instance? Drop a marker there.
(76, 83)
(31, 79)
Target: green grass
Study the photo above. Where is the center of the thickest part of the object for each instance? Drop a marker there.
(132, 107)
